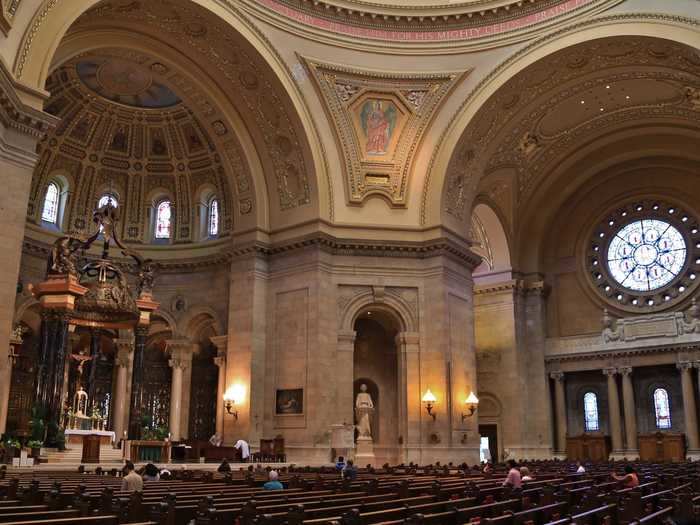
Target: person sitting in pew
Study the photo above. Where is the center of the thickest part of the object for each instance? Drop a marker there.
(274, 483)
(513, 478)
(525, 474)
(579, 468)
(488, 468)
(166, 475)
(131, 482)
(629, 480)
(349, 472)
(151, 473)
(224, 467)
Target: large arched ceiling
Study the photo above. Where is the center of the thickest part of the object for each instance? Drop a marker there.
(570, 105)
(124, 130)
(215, 64)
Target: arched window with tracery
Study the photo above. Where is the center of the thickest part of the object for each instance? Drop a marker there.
(214, 217)
(52, 201)
(163, 220)
(662, 409)
(590, 412)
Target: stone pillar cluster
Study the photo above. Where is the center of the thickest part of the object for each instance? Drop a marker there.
(560, 412)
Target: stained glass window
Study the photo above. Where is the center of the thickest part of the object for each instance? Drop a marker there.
(646, 255)
(214, 217)
(590, 412)
(662, 409)
(107, 198)
(51, 201)
(163, 216)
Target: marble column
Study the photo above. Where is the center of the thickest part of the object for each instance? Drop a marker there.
(631, 446)
(614, 411)
(180, 359)
(560, 412)
(51, 369)
(689, 408)
(136, 403)
(344, 390)
(221, 343)
(15, 345)
(121, 401)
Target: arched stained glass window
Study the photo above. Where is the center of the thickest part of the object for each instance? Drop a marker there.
(51, 202)
(214, 217)
(107, 197)
(163, 220)
(590, 412)
(662, 408)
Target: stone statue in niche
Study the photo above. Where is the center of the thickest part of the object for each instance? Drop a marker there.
(363, 411)
(611, 332)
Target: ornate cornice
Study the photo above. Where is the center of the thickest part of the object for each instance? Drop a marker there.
(516, 286)
(16, 115)
(615, 355)
(361, 24)
(441, 247)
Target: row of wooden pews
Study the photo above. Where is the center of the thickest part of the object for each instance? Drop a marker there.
(389, 496)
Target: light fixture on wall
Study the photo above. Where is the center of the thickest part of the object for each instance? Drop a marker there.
(429, 401)
(472, 402)
(232, 397)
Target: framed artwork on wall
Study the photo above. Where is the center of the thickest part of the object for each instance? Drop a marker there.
(289, 401)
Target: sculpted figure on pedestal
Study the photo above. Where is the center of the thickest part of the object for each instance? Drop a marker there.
(363, 411)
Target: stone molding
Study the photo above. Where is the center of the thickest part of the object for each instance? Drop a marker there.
(440, 247)
(517, 286)
(16, 115)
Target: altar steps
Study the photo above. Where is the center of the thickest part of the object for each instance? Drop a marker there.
(73, 455)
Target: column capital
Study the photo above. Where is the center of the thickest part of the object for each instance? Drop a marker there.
(684, 365)
(625, 370)
(221, 343)
(346, 338)
(610, 372)
(220, 361)
(408, 338)
(557, 375)
(180, 363)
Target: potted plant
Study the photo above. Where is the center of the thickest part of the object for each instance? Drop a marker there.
(12, 448)
(35, 446)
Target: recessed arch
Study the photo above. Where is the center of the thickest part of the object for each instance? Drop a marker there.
(492, 241)
(456, 166)
(44, 48)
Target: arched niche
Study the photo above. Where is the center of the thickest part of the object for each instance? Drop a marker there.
(491, 243)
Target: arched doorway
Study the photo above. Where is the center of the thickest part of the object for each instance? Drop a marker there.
(375, 364)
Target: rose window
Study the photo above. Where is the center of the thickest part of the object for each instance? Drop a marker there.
(645, 255)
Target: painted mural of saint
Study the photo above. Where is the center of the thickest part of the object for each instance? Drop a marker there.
(378, 121)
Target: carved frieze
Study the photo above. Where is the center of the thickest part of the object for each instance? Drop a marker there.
(379, 120)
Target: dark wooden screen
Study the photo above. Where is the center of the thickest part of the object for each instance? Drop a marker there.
(205, 375)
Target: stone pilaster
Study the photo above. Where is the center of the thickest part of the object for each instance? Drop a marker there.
(136, 403)
(344, 382)
(689, 409)
(614, 411)
(560, 413)
(20, 128)
(125, 348)
(221, 343)
(408, 345)
(631, 446)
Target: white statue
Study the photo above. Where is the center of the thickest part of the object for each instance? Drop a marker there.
(363, 411)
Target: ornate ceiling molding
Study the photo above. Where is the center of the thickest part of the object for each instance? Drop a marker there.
(379, 119)
(481, 23)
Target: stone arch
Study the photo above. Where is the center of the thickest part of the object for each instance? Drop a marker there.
(455, 168)
(168, 321)
(52, 20)
(198, 318)
(490, 406)
(491, 240)
(393, 305)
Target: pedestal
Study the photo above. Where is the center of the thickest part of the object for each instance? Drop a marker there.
(364, 451)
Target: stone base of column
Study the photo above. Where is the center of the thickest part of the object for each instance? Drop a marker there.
(693, 454)
(558, 454)
(618, 455)
(631, 454)
(364, 451)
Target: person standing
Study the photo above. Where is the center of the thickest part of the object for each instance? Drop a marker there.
(242, 445)
(131, 482)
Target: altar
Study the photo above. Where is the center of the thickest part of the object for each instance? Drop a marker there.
(147, 451)
(75, 436)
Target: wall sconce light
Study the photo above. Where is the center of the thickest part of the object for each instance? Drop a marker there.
(429, 401)
(232, 397)
(472, 402)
